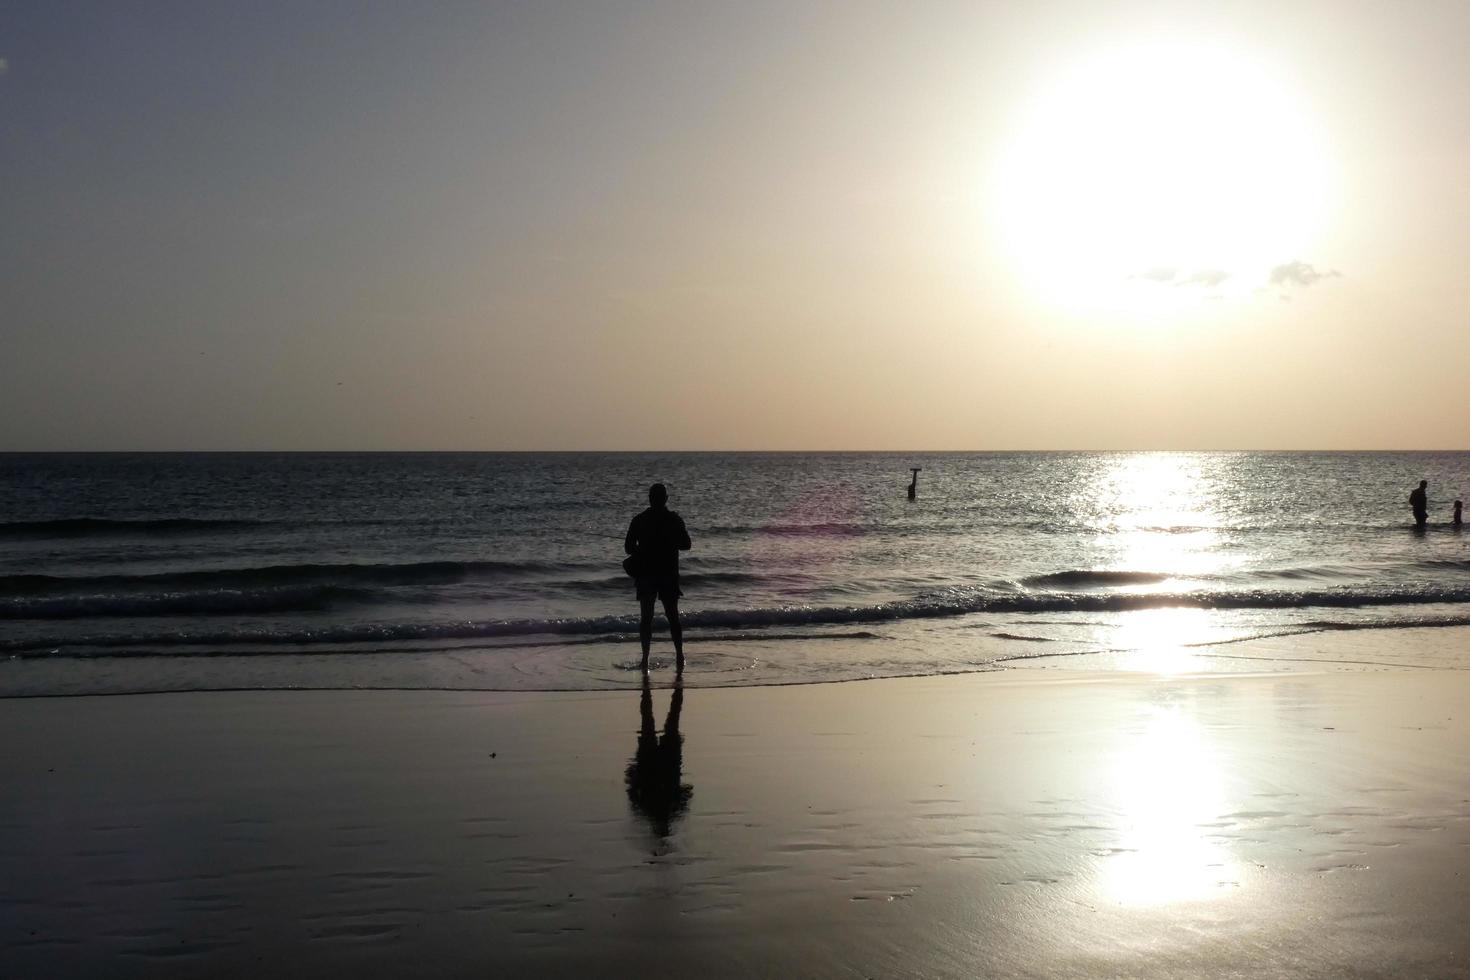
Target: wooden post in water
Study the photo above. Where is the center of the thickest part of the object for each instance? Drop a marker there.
(914, 483)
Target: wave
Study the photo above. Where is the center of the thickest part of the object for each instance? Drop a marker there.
(385, 574)
(950, 604)
(216, 602)
(620, 581)
(299, 588)
(1334, 625)
(1082, 578)
(1312, 573)
(90, 526)
(182, 527)
(1445, 564)
(1437, 566)
(1108, 578)
(143, 646)
(316, 587)
(967, 522)
(818, 529)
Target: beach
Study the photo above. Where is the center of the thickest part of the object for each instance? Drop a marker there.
(1026, 823)
(677, 490)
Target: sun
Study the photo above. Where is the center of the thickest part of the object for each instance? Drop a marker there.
(1158, 171)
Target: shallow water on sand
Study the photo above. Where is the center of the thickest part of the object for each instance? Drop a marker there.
(147, 571)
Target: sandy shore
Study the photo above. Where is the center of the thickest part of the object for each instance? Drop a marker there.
(1024, 823)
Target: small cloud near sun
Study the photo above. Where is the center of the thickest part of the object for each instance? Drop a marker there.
(1206, 277)
(4, 66)
(1161, 274)
(1165, 275)
(1300, 274)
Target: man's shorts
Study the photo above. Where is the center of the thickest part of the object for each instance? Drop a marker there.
(665, 587)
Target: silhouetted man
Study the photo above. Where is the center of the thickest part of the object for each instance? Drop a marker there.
(1419, 502)
(655, 538)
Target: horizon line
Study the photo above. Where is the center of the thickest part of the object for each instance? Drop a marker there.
(689, 452)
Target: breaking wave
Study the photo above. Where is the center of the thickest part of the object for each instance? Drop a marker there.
(1081, 579)
(387, 574)
(98, 526)
(957, 602)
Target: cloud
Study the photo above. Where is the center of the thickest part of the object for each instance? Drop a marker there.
(1288, 275)
(1160, 274)
(4, 66)
(1206, 277)
(1300, 274)
(1166, 275)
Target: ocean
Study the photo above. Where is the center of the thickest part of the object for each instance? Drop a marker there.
(199, 571)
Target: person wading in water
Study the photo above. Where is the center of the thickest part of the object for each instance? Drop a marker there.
(1419, 504)
(655, 538)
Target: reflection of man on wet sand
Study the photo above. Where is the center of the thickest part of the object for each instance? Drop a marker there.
(654, 789)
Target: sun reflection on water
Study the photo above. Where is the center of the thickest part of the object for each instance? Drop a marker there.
(1158, 514)
(1168, 791)
(1156, 638)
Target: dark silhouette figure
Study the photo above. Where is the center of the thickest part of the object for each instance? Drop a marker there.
(653, 774)
(655, 538)
(1457, 520)
(914, 483)
(1419, 503)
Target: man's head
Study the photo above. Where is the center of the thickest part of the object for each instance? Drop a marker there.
(1422, 485)
(658, 495)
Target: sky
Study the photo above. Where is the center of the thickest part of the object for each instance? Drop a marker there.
(646, 225)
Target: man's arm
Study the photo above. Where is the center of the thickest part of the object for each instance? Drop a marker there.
(630, 543)
(684, 542)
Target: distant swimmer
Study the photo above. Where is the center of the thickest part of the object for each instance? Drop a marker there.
(914, 483)
(1457, 520)
(1419, 503)
(655, 538)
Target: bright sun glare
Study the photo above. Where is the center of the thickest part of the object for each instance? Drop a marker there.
(1159, 172)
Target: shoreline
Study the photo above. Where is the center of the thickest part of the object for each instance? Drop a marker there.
(713, 664)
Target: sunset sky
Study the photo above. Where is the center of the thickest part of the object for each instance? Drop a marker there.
(743, 225)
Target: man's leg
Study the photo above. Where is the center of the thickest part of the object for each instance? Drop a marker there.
(676, 632)
(645, 625)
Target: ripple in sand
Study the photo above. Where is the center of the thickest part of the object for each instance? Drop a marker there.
(350, 914)
(213, 903)
(882, 896)
(388, 875)
(365, 931)
(802, 847)
(263, 869)
(182, 948)
(43, 941)
(134, 934)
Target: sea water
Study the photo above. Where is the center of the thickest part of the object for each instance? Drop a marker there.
(124, 572)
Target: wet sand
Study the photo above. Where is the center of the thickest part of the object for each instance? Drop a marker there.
(1021, 823)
